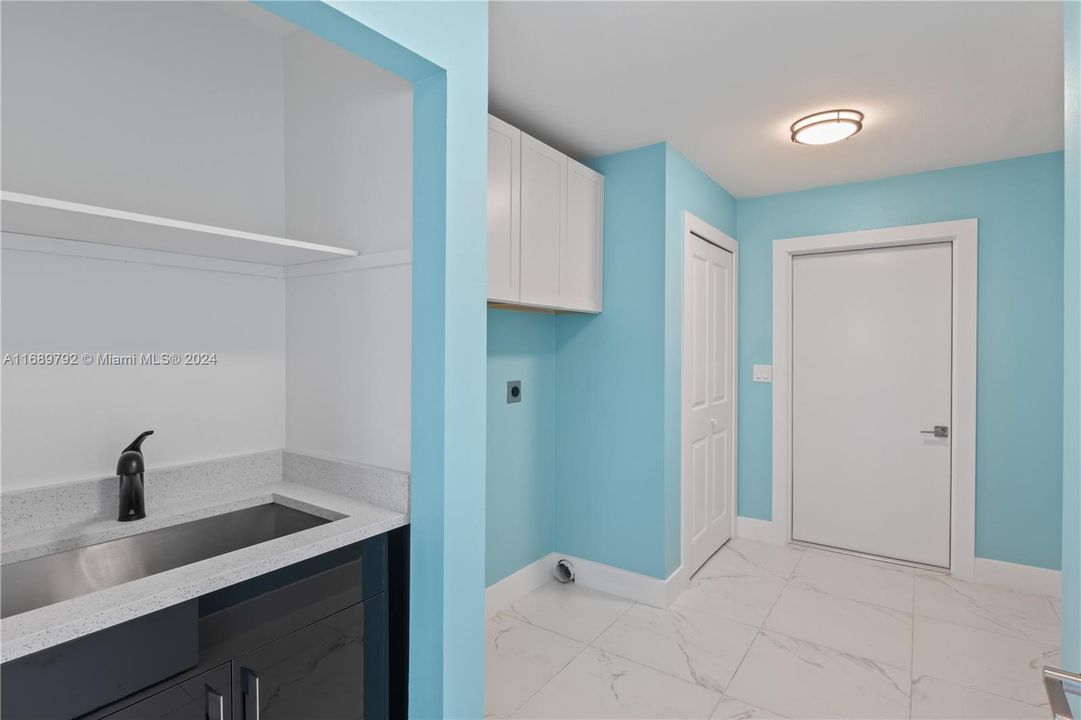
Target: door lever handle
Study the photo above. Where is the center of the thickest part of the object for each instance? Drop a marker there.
(938, 431)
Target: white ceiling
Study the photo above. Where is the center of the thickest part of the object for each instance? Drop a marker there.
(942, 83)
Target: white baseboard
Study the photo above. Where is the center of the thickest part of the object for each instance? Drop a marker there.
(624, 583)
(507, 591)
(1025, 578)
(662, 593)
(675, 585)
(596, 576)
(765, 531)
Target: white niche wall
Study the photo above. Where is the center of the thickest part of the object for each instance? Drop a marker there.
(220, 114)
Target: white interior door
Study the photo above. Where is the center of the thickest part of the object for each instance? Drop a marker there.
(708, 363)
(871, 366)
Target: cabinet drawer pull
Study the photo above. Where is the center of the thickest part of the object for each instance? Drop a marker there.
(251, 693)
(215, 704)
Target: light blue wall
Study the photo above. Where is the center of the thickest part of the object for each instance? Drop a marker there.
(609, 390)
(1019, 345)
(1071, 483)
(442, 48)
(521, 441)
(687, 189)
(618, 373)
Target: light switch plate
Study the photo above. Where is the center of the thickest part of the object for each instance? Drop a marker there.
(514, 391)
(763, 373)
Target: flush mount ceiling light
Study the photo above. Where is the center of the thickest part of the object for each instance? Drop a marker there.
(823, 128)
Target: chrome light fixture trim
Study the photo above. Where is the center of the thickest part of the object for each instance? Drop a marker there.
(829, 126)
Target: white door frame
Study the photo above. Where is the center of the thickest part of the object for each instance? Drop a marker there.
(694, 226)
(962, 237)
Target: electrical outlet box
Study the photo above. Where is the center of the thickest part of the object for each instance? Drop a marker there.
(514, 391)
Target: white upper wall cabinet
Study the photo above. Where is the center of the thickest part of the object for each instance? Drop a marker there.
(545, 225)
(581, 276)
(544, 208)
(504, 193)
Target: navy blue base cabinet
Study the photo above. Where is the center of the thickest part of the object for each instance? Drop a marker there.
(324, 639)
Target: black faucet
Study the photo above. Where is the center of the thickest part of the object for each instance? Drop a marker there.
(130, 469)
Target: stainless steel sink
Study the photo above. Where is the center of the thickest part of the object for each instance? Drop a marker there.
(38, 582)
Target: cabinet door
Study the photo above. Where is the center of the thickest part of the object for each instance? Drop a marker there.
(581, 275)
(504, 215)
(335, 669)
(203, 697)
(544, 192)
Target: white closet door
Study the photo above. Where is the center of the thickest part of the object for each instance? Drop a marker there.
(544, 192)
(504, 194)
(580, 273)
(708, 358)
(871, 365)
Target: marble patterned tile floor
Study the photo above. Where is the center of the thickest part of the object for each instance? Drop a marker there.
(776, 632)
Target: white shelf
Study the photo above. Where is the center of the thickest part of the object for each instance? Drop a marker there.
(60, 219)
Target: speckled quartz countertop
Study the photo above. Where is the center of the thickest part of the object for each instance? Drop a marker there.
(352, 520)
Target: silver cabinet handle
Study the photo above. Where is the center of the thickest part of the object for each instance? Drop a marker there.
(938, 431)
(250, 689)
(215, 704)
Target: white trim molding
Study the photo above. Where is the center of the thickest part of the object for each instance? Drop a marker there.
(501, 595)
(1026, 578)
(962, 236)
(624, 583)
(594, 575)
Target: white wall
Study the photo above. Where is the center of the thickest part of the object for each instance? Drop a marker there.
(348, 149)
(204, 112)
(348, 365)
(170, 109)
(70, 423)
(348, 131)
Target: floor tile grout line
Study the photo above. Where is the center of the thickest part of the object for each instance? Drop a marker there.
(825, 645)
(665, 672)
(658, 670)
(724, 694)
(717, 615)
(983, 629)
(809, 585)
(548, 682)
(985, 691)
(621, 657)
(848, 597)
(547, 630)
(758, 632)
(713, 710)
(564, 635)
(609, 625)
(585, 645)
(848, 653)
